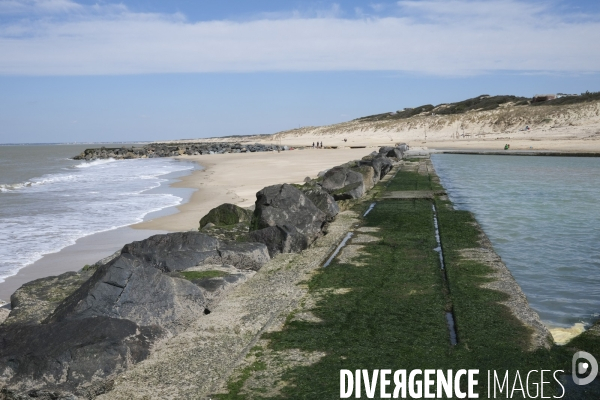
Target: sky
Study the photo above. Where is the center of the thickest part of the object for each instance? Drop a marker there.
(138, 70)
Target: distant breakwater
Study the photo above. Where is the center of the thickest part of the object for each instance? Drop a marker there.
(170, 150)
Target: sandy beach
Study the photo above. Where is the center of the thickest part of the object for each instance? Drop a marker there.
(226, 178)
(235, 178)
(86, 250)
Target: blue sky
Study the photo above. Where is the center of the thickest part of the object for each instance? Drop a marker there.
(149, 70)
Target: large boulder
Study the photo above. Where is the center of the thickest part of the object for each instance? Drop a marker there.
(175, 251)
(286, 205)
(393, 152)
(383, 165)
(343, 183)
(134, 289)
(280, 239)
(71, 359)
(226, 214)
(215, 287)
(245, 256)
(96, 328)
(403, 147)
(35, 300)
(368, 174)
(384, 150)
(323, 200)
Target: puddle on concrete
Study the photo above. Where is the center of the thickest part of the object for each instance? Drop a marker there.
(438, 249)
(437, 238)
(451, 328)
(337, 249)
(372, 206)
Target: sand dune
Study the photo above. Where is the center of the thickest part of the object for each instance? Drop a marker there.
(573, 127)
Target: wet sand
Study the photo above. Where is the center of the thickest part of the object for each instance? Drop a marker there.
(235, 178)
(86, 250)
(226, 178)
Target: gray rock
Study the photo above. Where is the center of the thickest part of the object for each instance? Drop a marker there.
(383, 165)
(286, 205)
(226, 214)
(369, 175)
(129, 288)
(208, 226)
(343, 183)
(71, 359)
(214, 288)
(4, 311)
(244, 255)
(175, 251)
(323, 200)
(322, 173)
(394, 152)
(280, 239)
(35, 300)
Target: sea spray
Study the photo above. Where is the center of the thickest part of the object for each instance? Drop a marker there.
(43, 214)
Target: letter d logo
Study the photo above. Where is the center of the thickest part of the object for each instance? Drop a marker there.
(581, 368)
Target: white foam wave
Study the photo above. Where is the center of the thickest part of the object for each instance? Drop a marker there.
(88, 164)
(37, 182)
(59, 209)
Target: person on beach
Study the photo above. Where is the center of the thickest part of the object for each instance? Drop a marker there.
(313, 145)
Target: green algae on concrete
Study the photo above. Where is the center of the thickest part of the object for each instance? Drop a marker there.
(193, 275)
(386, 308)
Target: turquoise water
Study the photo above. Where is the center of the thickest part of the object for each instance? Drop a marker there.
(542, 215)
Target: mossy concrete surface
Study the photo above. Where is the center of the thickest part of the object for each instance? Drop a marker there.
(198, 362)
(383, 305)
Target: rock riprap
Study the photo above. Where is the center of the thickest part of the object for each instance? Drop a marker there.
(68, 336)
(291, 219)
(323, 200)
(155, 150)
(343, 183)
(102, 325)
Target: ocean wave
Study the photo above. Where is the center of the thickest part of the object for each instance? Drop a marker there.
(88, 164)
(37, 182)
(60, 208)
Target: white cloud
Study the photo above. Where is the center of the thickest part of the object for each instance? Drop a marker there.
(38, 6)
(433, 37)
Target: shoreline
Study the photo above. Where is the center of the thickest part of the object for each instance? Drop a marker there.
(382, 272)
(86, 250)
(234, 178)
(93, 247)
(255, 173)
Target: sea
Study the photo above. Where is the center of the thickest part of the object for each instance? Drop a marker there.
(542, 215)
(48, 200)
